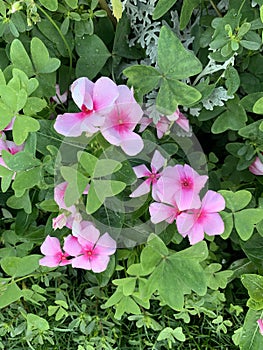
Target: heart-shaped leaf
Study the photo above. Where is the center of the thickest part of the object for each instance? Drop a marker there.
(40, 57)
(22, 126)
(245, 221)
(236, 200)
(19, 57)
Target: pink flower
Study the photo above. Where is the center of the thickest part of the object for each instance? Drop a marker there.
(122, 120)
(183, 184)
(95, 249)
(152, 175)
(53, 253)
(164, 211)
(94, 100)
(197, 222)
(8, 146)
(260, 324)
(58, 98)
(180, 119)
(59, 222)
(256, 167)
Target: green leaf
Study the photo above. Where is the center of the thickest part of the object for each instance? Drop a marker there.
(117, 9)
(93, 55)
(143, 78)
(26, 179)
(34, 105)
(233, 118)
(128, 285)
(48, 205)
(72, 3)
(19, 57)
(106, 167)
(88, 162)
(20, 161)
(228, 222)
(19, 267)
(232, 80)
(93, 201)
(37, 322)
(258, 106)
(6, 176)
(216, 278)
(253, 248)
(22, 202)
(162, 7)
(40, 57)
(108, 188)
(254, 285)
(250, 338)
(22, 126)
(181, 65)
(77, 183)
(173, 93)
(187, 10)
(9, 294)
(236, 200)
(128, 305)
(51, 5)
(245, 221)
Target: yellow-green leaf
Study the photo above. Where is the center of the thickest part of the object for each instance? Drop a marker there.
(117, 9)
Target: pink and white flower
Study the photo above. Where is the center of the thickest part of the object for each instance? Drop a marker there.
(94, 100)
(196, 222)
(260, 325)
(122, 120)
(54, 256)
(256, 167)
(158, 161)
(166, 211)
(95, 250)
(60, 98)
(182, 184)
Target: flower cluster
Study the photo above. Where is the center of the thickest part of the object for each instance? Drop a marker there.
(84, 249)
(176, 191)
(105, 107)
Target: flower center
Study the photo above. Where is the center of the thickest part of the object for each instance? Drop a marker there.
(85, 109)
(186, 183)
(120, 121)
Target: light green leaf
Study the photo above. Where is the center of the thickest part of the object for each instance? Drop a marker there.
(254, 285)
(40, 57)
(187, 10)
(232, 80)
(117, 9)
(34, 105)
(22, 202)
(26, 179)
(19, 57)
(20, 161)
(22, 126)
(9, 294)
(245, 221)
(236, 200)
(181, 65)
(88, 161)
(106, 167)
(93, 201)
(6, 176)
(143, 78)
(37, 322)
(51, 5)
(250, 338)
(19, 267)
(258, 106)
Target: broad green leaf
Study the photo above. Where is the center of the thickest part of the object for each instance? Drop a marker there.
(34, 105)
(258, 106)
(9, 294)
(26, 179)
(216, 278)
(228, 222)
(187, 10)
(233, 118)
(108, 188)
(20, 161)
(19, 57)
(232, 80)
(37, 322)
(40, 57)
(93, 201)
(22, 202)
(88, 162)
(9, 97)
(77, 183)
(6, 176)
(22, 126)
(51, 5)
(250, 338)
(128, 285)
(6, 115)
(249, 101)
(72, 3)
(19, 267)
(128, 305)
(245, 221)
(153, 253)
(143, 78)
(93, 55)
(253, 248)
(48, 205)
(173, 93)
(162, 7)
(236, 200)
(181, 65)
(106, 167)
(117, 9)
(254, 285)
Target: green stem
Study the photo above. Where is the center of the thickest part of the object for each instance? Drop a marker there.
(104, 6)
(241, 6)
(63, 39)
(216, 8)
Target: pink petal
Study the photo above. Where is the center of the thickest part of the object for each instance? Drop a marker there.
(3, 145)
(183, 123)
(50, 261)
(196, 234)
(141, 190)
(187, 199)
(213, 224)
(99, 263)
(82, 90)
(88, 235)
(72, 246)
(59, 194)
(260, 325)
(106, 245)
(59, 221)
(158, 161)
(162, 127)
(81, 262)
(105, 93)
(141, 171)
(70, 124)
(50, 246)
(256, 167)
(185, 222)
(58, 98)
(213, 202)
(160, 212)
(131, 143)
(144, 122)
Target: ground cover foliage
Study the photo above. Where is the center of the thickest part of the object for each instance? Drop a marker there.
(131, 174)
